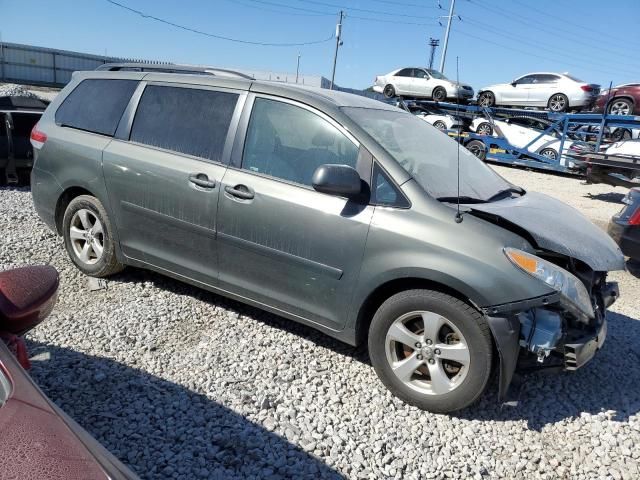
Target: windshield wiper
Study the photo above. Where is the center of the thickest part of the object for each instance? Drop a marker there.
(501, 193)
(462, 199)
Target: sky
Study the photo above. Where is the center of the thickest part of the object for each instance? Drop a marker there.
(495, 40)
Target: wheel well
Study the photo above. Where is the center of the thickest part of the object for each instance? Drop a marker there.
(624, 97)
(64, 200)
(386, 290)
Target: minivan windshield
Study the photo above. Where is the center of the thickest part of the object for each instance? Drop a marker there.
(430, 156)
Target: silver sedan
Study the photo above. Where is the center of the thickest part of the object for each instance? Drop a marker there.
(556, 91)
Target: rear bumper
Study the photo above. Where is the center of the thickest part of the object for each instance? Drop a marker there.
(45, 192)
(627, 237)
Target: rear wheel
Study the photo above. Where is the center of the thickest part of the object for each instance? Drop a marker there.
(440, 125)
(550, 153)
(88, 237)
(620, 134)
(431, 350)
(558, 103)
(389, 91)
(486, 99)
(621, 106)
(439, 94)
(478, 148)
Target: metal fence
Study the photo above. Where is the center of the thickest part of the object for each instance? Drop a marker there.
(33, 65)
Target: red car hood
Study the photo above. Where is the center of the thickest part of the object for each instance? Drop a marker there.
(40, 441)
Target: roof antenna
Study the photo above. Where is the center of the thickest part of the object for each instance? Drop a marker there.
(458, 214)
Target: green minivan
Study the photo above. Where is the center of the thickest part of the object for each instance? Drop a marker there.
(330, 209)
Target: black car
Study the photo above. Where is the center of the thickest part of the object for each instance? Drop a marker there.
(624, 227)
(18, 115)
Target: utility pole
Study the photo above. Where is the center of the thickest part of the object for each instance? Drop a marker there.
(446, 35)
(433, 42)
(338, 43)
(298, 68)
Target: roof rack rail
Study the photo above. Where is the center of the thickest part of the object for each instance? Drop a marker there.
(171, 68)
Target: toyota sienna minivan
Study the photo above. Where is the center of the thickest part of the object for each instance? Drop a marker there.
(332, 210)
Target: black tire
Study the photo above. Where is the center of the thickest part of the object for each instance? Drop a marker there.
(440, 125)
(558, 102)
(389, 91)
(620, 106)
(486, 99)
(550, 153)
(471, 324)
(104, 264)
(478, 148)
(484, 128)
(439, 94)
(620, 134)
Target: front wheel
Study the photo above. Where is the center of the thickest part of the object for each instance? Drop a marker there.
(549, 153)
(431, 350)
(478, 148)
(440, 125)
(389, 91)
(88, 237)
(621, 106)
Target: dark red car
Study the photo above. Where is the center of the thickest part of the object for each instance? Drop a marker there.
(38, 439)
(620, 100)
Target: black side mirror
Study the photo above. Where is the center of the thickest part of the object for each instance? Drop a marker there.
(339, 180)
(514, 83)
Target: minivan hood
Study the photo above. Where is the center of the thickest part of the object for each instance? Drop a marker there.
(557, 227)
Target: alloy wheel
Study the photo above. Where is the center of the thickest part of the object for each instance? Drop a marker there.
(484, 129)
(620, 108)
(558, 103)
(427, 352)
(87, 236)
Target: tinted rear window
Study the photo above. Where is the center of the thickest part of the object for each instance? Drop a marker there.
(96, 105)
(185, 120)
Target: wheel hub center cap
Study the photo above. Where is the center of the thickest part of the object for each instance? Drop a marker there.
(427, 352)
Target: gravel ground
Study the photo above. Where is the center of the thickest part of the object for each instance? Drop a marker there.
(181, 383)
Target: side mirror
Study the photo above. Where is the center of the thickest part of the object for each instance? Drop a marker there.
(339, 180)
(514, 83)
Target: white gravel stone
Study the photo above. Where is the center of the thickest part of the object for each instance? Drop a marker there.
(181, 383)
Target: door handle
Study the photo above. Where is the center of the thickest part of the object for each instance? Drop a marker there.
(239, 191)
(201, 180)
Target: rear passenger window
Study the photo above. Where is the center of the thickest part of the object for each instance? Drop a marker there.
(290, 142)
(96, 105)
(185, 120)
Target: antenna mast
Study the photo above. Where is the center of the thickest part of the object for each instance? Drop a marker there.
(458, 214)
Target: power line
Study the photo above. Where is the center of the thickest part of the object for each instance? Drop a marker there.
(502, 45)
(565, 21)
(536, 45)
(357, 17)
(403, 4)
(219, 37)
(284, 12)
(364, 10)
(555, 32)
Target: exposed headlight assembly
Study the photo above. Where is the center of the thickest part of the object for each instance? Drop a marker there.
(572, 291)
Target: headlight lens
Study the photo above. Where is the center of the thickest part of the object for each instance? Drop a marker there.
(571, 289)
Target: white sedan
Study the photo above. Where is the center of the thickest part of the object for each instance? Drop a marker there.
(441, 122)
(421, 82)
(521, 137)
(556, 91)
(626, 147)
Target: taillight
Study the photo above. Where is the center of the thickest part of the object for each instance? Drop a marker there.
(38, 138)
(635, 218)
(586, 88)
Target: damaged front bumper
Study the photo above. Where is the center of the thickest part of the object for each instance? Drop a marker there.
(541, 333)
